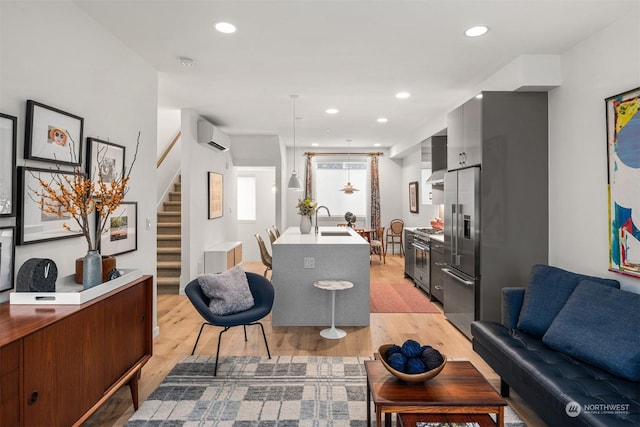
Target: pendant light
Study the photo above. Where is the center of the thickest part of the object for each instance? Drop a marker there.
(348, 189)
(294, 181)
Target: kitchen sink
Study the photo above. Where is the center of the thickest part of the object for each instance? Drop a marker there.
(335, 233)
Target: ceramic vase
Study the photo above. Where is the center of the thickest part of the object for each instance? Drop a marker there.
(92, 270)
(305, 224)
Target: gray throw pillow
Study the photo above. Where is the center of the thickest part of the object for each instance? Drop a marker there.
(228, 291)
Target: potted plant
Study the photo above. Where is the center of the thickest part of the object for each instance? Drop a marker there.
(306, 208)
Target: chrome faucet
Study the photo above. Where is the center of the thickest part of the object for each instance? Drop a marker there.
(329, 213)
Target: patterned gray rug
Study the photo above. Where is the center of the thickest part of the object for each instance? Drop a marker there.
(251, 391)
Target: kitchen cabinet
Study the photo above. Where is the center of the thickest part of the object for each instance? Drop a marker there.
(434, 153)
(438, 260)
(464, 135)
(59, 363)
(502, 226)
(222, 257)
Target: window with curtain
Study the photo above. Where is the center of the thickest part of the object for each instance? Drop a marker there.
(246, 198)
(331, 175)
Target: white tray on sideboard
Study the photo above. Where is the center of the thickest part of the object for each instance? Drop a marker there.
(70, 293)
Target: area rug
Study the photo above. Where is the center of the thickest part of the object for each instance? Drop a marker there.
(251, 391)
(401, 297)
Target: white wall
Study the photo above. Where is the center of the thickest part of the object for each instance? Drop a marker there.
(412, 171)
(198, 231)
(606, 64)
(81, 69)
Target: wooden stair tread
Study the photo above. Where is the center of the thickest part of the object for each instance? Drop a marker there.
(169, 264)
(169, 224)
(169, 250)
(169, 236)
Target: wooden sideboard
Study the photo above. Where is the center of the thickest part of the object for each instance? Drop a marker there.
(60, 363)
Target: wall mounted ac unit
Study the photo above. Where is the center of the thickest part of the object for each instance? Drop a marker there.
(211, 136)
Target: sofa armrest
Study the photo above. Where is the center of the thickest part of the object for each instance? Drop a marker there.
(511, 304)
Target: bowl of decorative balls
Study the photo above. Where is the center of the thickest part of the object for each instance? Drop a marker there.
(412, 362)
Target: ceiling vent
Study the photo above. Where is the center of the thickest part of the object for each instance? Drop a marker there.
(212, 137)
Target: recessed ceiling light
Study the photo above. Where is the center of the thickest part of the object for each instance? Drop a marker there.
(377, 144)
(382, 120)
(314, 144)
(332, 111)
(225, 27)
(479, 96)
(403, 95)
(186, 62)
(476, 31)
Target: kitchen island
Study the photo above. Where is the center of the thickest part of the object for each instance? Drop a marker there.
(299, 260)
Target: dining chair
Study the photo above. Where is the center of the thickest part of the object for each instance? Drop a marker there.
(377, 244)
(394, 235)
(272, 236)
(264, 254)
(276, 231)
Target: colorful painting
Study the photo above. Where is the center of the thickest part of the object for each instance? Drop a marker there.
(623, 153)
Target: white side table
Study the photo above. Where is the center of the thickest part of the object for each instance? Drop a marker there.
(333, 333)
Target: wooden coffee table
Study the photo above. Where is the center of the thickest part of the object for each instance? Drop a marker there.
(458, 389)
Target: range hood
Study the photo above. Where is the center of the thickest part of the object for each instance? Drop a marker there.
(437, 177)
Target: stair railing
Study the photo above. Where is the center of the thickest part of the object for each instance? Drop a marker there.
(167, 150)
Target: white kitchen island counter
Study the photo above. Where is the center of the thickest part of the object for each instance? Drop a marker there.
(299, 260)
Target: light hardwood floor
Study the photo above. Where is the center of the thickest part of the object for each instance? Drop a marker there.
(179, 323)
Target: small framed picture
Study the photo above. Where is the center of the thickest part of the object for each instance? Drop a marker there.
(34, 224)
(8, 141)
(121, 230)
(105, 160)
(215, 195)
(53, 135)
(413, 197)
(7, 257)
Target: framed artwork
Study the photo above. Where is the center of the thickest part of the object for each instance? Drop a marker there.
(623, 157)
(215, 195)
(7, 257)
(8, 141)
(35, 225)
(52, 135)
(105, 159)
(121, 230)
(413, 197)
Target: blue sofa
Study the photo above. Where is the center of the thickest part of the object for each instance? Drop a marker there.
(569, 345)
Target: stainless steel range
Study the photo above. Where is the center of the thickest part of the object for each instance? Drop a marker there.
(421, 246)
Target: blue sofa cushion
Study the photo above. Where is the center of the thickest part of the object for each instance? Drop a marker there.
(587, 329)
(548, 289)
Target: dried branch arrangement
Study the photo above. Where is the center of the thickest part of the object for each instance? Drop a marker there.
(80, 195)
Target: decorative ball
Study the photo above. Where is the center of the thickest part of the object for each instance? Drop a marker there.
(397, 361)
(411, 348)
(350, 217)
(393, 349)
(424, 347)
(415, 365)
(432, 358)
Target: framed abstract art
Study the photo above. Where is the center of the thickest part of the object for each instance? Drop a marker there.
(623, 157)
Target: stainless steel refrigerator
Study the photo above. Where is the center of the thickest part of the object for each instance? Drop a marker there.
(462, 246)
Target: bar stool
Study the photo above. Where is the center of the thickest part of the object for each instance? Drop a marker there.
(333, 333)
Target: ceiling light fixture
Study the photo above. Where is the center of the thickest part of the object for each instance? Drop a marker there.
(294, 181)
(332, 111)
(403, 95)
(225, 27)
(348, 189)
(186, 62)
(382, 120)
(476, 31)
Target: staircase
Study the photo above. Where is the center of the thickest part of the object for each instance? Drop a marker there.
(169, 241)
